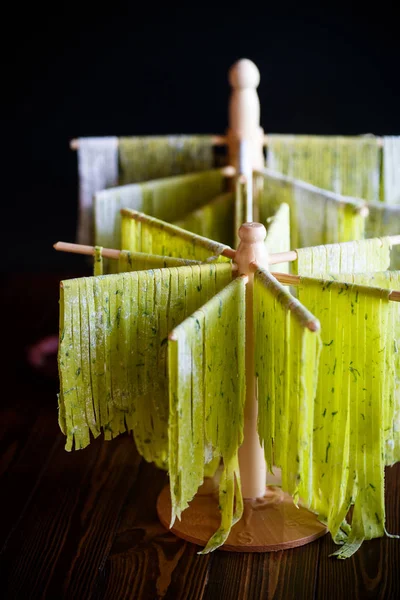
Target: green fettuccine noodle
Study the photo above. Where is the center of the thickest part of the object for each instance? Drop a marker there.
(278, 235)
(141, 233)
(391, 428)
(355, 389)
(107, 207)
(139, 261)
(384, 220)
(148, 157)
(349, 257)
(213, 220)
(287, 355)
(345, 165)
(98, 261)
(317, 216)
(210, 468)
(207, 393)
(170, 199)
(113, 351)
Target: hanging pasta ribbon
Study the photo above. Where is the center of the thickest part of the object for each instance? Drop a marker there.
(318, 216)
(145, 158)
(113, 351)
(278, 235)
(345, 165)
(214, 220)
(207, 393)
(354, 389)
(141, 233)
(170, 199)
(139, 261)
(349, 257)
(98, 261)
(287, 357)
(384, 220)
(388, 280)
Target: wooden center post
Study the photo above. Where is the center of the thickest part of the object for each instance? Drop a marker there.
(270, 521)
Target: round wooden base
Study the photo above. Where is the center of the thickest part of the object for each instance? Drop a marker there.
(268, 524)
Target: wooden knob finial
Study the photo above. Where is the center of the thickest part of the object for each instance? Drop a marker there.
(252, 233)
(251, 247)
(244, 74)
(244, 115)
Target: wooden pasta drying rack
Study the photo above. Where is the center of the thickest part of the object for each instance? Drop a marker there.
(271, 521)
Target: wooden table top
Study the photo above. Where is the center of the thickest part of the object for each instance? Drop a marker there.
(84, 524)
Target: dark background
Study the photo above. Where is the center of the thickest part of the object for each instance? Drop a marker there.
(80, 70)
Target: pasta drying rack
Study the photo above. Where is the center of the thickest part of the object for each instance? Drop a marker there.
(271, 521)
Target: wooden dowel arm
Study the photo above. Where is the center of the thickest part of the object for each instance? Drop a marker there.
(291, 255)
(280, 257)
(216, 140)
(111, 252)
(288, 279)
(273, 259)
(88, 250)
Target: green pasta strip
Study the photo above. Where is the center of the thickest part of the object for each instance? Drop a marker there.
(107, 326)
(349, 257)
(80, 423)
(61, 363)
(225, 396)
(90, 400)
(214, 220)
(226, 503)
(119, 313)
(330, 416)
(115, 292)
(345, 165)
(112, 352)
(150, 157)
(210, 468)
(195, 408)
(384, 220)
(170, 198)
(206, 378)
(139, 261)
(287, 355)
(89, 352)
(317, 216)
(224, 344)
(98, 261)
(278, 235)
(351, 407)
(67, 395)
(391, 416)
(141, 233)
(173, 430)
(96, 348)
(122, 325)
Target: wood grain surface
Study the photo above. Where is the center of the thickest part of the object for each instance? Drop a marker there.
(84, 524)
